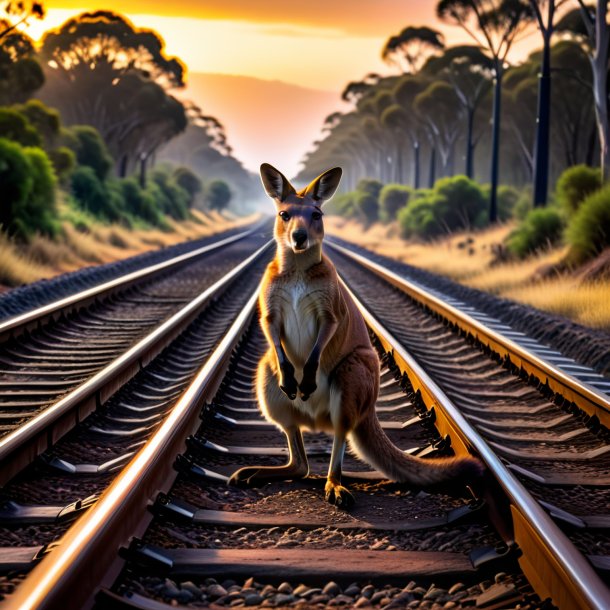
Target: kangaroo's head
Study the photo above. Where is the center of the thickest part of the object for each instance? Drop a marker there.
(298, 224)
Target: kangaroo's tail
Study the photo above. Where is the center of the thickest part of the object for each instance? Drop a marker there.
(371, 444)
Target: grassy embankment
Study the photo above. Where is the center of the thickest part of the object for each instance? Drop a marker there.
(44, 258)
(585, 302)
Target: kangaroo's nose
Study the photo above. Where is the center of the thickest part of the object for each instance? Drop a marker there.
(299, 237)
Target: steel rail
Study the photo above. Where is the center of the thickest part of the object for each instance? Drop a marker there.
(583, 395)
(30, 319)
(552, 564)
(87, 556)
(21, 446)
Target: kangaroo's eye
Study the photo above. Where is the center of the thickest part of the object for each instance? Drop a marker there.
(316, 215)
(284, 215)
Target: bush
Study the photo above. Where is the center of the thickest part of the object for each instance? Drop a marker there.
(418, 218)
(588, 231)
(217, 195)
(27, 184)
(366, 207)
(170, 198)
(64, 161)
(392, 198)
(140, 204)
(459, 203)
(523, 206)
(90, 149)
(369, 186)
(92, 195)
(508, 197)
(45, 120)
(574, 184)
(188, 180)
(541, 228)
(16, 127)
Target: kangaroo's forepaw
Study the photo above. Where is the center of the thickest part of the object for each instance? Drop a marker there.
(338, 495)
(289, 387)
(244, 476)
(307, 387)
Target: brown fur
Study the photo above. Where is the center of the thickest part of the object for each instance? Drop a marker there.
(321, 371)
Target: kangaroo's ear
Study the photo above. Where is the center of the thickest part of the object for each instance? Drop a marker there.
(325, 185)
(275, 183)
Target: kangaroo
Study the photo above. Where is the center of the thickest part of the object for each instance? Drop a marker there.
(317, 335)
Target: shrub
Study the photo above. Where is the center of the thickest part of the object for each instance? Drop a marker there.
(459, 203)
(508, 197)
(27, 184)
(523, 205)
(541, 228)
(588, 231)
(369, 186)
(574, 184)
(366, 207)
(16, 127)
(170, 198)
(418, 218)
(90, 149)
(188, 180)
(139, 203)
(392, 198)
(64, 161)
(217, 195)
(92, 195)
(45, 120)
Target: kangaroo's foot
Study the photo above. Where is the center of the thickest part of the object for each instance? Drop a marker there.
(338, 495)
(251, 475)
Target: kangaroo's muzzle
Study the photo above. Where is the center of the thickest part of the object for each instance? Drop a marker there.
(299, 239)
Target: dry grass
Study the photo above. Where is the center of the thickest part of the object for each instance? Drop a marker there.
(467, 257)
(43, 258)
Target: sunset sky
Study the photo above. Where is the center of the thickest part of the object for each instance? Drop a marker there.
(318, 44)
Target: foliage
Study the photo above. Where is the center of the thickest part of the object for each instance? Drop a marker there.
(45, 120)
(369, 186)
(16, 127)
(27, 183)
(171, 198)
(523, 205)
(418, 218)
(217, 195)
(64, 161)
(188, 180)
(588, 231)
(366, 206)
(575, 184)
(90, 149)
(541, 228)
(92, 195)
(508, 197)
(392, 198)
(140, 203)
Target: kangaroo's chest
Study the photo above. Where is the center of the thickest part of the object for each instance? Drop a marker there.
(300, 321)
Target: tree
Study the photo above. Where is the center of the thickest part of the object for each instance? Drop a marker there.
(409, 49)
(217, 195)
(20, 72)
(468, 70)
(90, 149)
(597, 42)
(499, 23)
(543, 114)
(18, 12)
(105, 72)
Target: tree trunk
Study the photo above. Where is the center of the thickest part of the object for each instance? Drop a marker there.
(123, 165)
(469, 144)
(543, 118)
(143, 170)
(495, 142)
(432, 168)
(416, 164)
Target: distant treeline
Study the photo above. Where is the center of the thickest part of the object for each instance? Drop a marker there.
(104, 133)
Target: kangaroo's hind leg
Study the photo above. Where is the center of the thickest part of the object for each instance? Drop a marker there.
(276, 408)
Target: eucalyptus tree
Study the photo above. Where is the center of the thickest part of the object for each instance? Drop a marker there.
(438, 107)
(17, 13)
(20, 72)
(546, 25)
(105, 72)
(468, 70)
(411, 47)
(597, 42)
(494, 25)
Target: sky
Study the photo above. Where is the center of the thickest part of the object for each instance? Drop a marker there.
(316, 44)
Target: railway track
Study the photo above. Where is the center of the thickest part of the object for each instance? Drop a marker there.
(162, 448)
